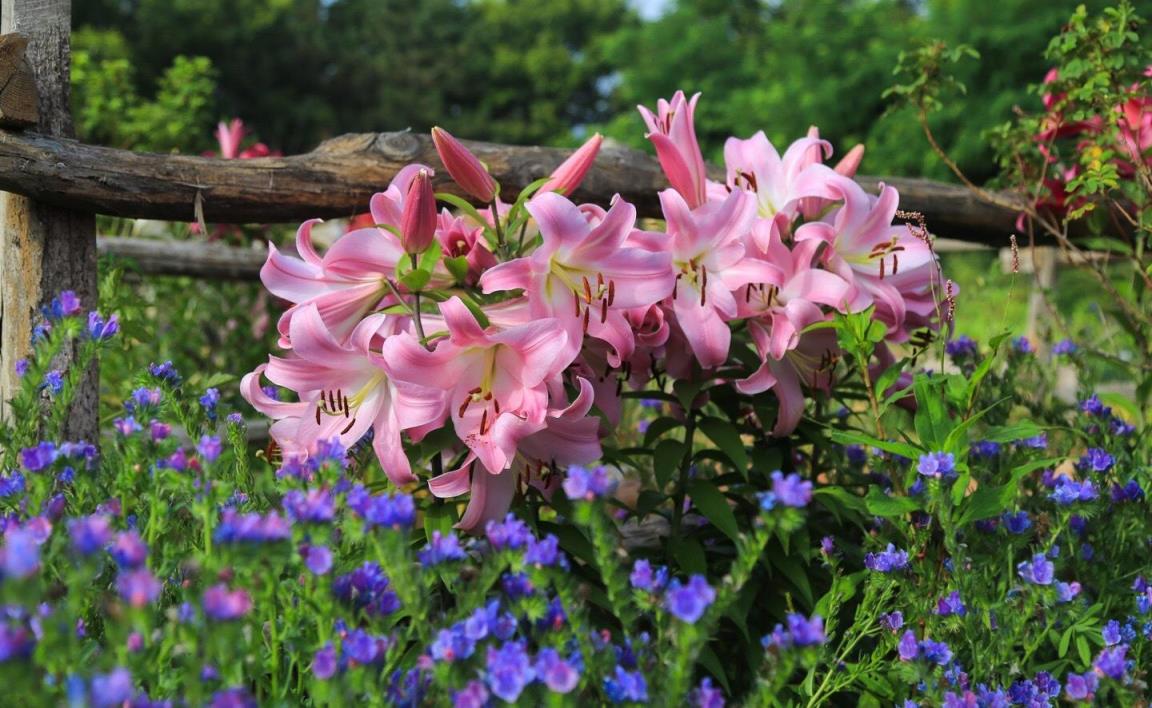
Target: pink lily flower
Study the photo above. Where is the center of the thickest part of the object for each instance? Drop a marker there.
(458, 238)
(568, 176)
(672, 131)
(810, 362)
(570, 437)
(350, 280)
(707, 247)
(229, 136)
(886, 264)
(583, 274)
(779, 183)
(495, 380)
(465, 168)
(348, 390)
(790, 299)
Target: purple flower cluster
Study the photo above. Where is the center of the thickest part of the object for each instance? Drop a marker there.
(314, 506)
(367, 588)
(588, 484)
(1068, 491)
(800, 632)
(890, 560)
(926, 650)
(235, 527)
(687, 602)
(395, 511)
(1038, 571)
(442, 548)
(937, 464)
(791, 490)
(961, 347)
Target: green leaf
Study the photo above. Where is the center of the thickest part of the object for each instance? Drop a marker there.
(458, 267)
(1084, 650)
(666, 461)
(689, 555)
(710, 661)
(880, 504)
(791, 568)
(727, 438)
(714, 506)
(1012, 433)
(415, 279)
(439, 517)
(475, 308)
(571, 540)
(1065, 640)
(842, 498)
(855, 437)
(932, 423)
(658, 427)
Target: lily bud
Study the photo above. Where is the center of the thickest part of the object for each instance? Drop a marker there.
(418, 220)
(464, 167)
(850, 162)
(568, 176)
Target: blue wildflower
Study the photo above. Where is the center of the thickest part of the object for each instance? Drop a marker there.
(582, 483)
(1038, 571)
(53, 381)
(1069, 491)
(1111, 661)
(791, 490)
(889, 560)
(626, 686)
(559, 675)
(1095, 460)
(209, 401)
(644, 578)
(951, 604)
(508, 670)
(441, 549)
(101, 329)
(962, 346)
(936, 464)
(1064, 347)
(1017, 523)
(687, 602)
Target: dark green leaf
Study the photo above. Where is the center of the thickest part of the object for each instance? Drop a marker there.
(714, 506)
(727, 438)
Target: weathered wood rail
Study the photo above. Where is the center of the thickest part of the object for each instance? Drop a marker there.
(337, 179)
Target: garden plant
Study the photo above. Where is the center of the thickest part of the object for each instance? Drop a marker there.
(544, 453)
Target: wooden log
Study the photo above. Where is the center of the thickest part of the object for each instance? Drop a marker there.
(338, 178)
(19, 107)
(198, 259)
(45, 247)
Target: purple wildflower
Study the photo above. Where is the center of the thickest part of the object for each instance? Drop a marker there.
(644, 578)
(889, 560)
(37, 458)
(951, 604)
(210, 448)
(138, 587)
(1081, 687)
(791, 490)
(937, 464)
(473, 695)
(220, 603)
(20, 555)
(442, 549)
(626, 686)
(112, 689)
(558, 675)
(1111, 661)
(102, 329)
(1038, 571)
(687, 603)
(315, 506)
(582, 483)
(90, 533)
(324, 662)
(318, 559)
(509, 670)
(1064, 347)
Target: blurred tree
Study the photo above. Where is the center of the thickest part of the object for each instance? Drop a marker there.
(301, 70)
(109, 110)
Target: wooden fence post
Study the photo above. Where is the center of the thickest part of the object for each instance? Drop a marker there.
(45, 249)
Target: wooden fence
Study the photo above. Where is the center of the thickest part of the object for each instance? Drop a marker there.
(53, 186)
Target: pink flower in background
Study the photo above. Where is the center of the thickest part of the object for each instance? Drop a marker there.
(231, 135)
(672, 131)
(460, 238)
(583, 274)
